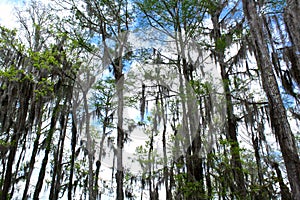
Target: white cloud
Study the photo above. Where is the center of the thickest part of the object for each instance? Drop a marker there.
(7, 17)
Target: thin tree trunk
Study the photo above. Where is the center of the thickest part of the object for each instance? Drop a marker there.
(18, 129)
(54, 171)
(73, 148)
(33, 156)
(89, 148)
(8, 175)
(49, 137)
(207, 176)
(231, 132)
(119, 77)
(165, 169)
(98, 163)
(54, 192)
(284, 190)
(150, 165)
(21, 157)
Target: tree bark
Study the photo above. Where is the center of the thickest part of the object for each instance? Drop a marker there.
(279, 121)
(119, 78)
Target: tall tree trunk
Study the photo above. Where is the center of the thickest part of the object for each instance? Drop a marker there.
(98, 163)
(8, 175)
(49, 138)
(34, 152)
(17, 131)
(231, 132)
(284, 190)
(164, 143)
(21, 158)
(119, 77)
(292, 21)
(279, 122)
(73, 148)
(54, 171)
(150, 164)
(89, 147)
(55, 185)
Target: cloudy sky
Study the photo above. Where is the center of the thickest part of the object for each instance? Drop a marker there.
(7, 18)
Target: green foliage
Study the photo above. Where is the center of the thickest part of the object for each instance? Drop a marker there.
(103, 101)
(201, 88)
(44, 60)
(190, 189)
(11, 74)
(221, 44)
(45, 87)
(55, 65)
(211, 5)
(225, 40)
(4, 144)
(7, 37)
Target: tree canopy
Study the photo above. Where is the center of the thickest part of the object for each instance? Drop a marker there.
(149, 99)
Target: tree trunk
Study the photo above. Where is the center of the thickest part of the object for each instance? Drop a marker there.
(17, 131)
(73, 148)
(231, 132)
(279, 122)
(119, 77)
(284, 190)
(34, 152)
(89, 147)
(49, 137)
(292, 21)
(8, 175)
(58, 176)
(164, 143)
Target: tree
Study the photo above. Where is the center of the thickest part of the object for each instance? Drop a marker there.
(104, 112)
(279, 122)
(71, 83)
(114, 22)
(221, 42)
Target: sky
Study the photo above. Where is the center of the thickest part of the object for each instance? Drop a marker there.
(7, 18)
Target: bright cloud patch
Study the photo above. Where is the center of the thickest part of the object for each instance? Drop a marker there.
(7, 17)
